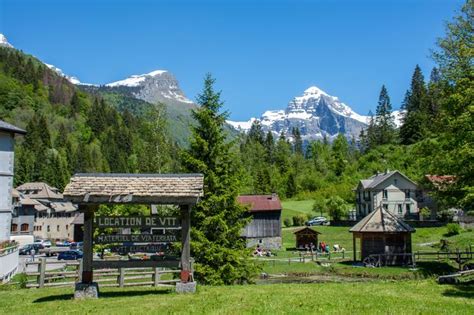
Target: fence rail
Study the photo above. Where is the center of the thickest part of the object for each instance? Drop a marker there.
(110, 277)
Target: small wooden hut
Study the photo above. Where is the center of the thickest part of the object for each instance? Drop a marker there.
(383, 236)
(305, 237)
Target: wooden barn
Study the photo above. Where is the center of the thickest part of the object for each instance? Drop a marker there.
(305, 237)
(264, 228)
(383, 235)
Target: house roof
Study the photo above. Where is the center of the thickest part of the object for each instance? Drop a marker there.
(39, 190)
(306, 230)
(63, 206)
(382, 221)
(135, 188)
(260, 203)
(376, 179)
(4, 126)
(441, 181)
(78, 219)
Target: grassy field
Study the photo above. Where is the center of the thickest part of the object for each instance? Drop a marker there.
(297, 207)
(376, 297)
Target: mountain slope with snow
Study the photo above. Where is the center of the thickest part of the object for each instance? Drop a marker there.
(159, 86)
(316, 113)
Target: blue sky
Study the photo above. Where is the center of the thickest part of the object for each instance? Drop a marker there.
(262, 53)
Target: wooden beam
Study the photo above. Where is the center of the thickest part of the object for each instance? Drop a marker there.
(87, 276)
(112, 264)
(186, 243)
(354, 246)
(133, 199)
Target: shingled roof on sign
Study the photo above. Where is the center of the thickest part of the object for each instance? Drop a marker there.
(135, 188)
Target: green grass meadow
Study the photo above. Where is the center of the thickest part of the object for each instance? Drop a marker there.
(379, 297)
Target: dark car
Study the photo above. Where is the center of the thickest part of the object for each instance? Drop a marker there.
(70, 255)
(26, 250)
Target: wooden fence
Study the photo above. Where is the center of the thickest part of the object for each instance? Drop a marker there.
(69, 273)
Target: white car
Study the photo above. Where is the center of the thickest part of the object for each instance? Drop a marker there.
(45, 243)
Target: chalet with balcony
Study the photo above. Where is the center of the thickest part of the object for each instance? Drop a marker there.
(391, 191)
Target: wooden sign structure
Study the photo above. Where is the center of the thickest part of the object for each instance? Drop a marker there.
(169, 228)
(91, 190)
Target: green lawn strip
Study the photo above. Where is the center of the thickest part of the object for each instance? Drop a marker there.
(375, 297)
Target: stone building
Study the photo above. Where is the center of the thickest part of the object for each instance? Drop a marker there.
(42, 212)
(264, 228)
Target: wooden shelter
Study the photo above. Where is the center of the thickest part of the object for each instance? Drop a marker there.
(384, 236)
(91, 190)
(305, 237)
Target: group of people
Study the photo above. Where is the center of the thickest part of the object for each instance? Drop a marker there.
(259, 252)
(322, 248)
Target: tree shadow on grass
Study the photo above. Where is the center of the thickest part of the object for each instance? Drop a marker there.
(106, 294)
(460, 291)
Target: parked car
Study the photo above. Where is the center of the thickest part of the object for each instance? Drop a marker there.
(317, 221)
(76, 245)
(45, 243)
(63, 243)
(26, 250)
(70, 255)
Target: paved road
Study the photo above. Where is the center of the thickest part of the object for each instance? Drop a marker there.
(33, 268)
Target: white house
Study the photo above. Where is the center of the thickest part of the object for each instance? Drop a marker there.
(8, 254)
(392, 191)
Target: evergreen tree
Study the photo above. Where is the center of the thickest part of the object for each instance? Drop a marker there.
(415, 117)
(256, 133)
(269, 147)
(384, 122)
(298, 142)
(454, 153)
(219, 251)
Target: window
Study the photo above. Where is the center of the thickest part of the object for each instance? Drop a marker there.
(48, 229)
(407, 193)
(57, 228)
(385, 194)
(24, 227)
(67, 227)
(395, 181)
(385, 206)
(400, 209)
(14, 227)
(408, 207)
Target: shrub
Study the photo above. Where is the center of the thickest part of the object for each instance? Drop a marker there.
(299, 220)
(288, 222)
(425, 213)
(453, 229)
(22, 280)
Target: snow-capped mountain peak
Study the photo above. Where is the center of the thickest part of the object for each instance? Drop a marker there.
(71, 79)
(314, 91)
(153, 87)
(136, 79)
(4, 42)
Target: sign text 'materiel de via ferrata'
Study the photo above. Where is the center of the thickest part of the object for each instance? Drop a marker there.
(137, 222)
(169, 236)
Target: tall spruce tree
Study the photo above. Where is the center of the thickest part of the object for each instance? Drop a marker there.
(415, 117)
(219, 251)
(298, 142)
(384, 122)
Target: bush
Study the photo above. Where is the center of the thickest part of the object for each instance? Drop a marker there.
(453, 229)
(288, 222)
(299, 220)
(425, 213)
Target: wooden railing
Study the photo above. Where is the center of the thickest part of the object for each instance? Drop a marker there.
(69, 273)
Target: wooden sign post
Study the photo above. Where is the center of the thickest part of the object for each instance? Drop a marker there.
(90, 190)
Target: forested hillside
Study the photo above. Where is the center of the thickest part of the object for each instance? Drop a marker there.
(71, 131)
